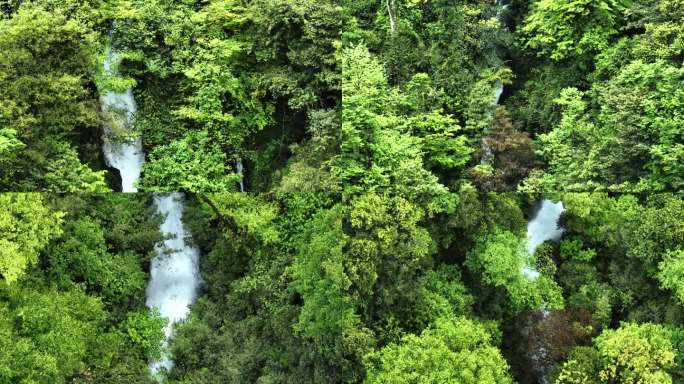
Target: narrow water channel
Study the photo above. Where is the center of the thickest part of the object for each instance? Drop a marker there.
(174, 271)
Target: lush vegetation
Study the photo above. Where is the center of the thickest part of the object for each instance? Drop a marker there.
(214, 83)
(592, 98)
(591, 101)
(308, 288)
(394, 152)
(323, 288)
(72, 297)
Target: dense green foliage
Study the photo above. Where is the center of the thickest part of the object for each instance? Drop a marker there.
(72, 289)
(352, 95)
(311, 288)
(215, 83)
(49, 111)
(393, 153)
(230, 80)
(364, 287)
(594, 83)
(454, 351)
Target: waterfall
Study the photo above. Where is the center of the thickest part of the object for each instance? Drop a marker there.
(125, 154)
(501, 14)
(174, 273)
(498, 91)
(240, 168)
(542, 227)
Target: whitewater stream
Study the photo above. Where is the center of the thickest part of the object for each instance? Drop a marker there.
(174, 271)
(126, 155)
(542, 227)
(240, 169)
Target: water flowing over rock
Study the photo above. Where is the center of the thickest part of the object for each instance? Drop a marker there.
(126, 154)
(498, 91)
(174, 272)
(503, 7)
(542, 227)
(240, 168)
(487, 155)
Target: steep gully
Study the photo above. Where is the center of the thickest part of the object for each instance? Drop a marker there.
(174, 271)
(487, 155)
(542, 227)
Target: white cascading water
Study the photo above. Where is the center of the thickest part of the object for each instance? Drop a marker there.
(498, 91)
(543, 227)
(501, 13)
(174, 273)
(125, 155)
(240, 168)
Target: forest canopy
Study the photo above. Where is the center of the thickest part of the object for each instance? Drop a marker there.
(386, 191)
(538, 96)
